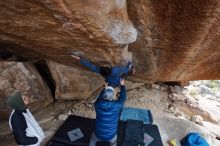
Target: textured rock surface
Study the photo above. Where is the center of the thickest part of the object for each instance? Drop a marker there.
(52, 29)
(22, 77)
(177, 40)
(73, 83)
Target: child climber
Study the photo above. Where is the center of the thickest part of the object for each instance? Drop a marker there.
(112, 75)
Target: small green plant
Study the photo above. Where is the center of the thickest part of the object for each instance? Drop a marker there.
(193, 93)
(213, 84)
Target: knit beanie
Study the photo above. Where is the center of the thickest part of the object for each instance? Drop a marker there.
(109, 93)
(16, 102)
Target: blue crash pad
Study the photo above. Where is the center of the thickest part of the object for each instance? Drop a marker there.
(136, 114)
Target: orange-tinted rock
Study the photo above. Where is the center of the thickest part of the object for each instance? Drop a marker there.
(177, 40)
(74, 83)
(52, 29)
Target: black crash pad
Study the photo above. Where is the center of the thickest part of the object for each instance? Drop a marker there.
(151, 130)
(86, 125)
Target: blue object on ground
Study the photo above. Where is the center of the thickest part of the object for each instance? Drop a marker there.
(194, 139)
(136, 114)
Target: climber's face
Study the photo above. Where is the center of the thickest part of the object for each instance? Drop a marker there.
(25, 99)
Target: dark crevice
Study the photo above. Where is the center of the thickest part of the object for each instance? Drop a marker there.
(170, 83)
(5, 54)
(17, 52)
(45, 73)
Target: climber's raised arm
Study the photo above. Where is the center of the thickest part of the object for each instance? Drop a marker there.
(87, 64)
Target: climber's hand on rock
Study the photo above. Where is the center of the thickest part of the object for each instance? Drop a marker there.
(106, 84)
(132, 70)
(75, 57)
(122, 81)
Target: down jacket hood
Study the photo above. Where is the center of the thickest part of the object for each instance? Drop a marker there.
(16, 102)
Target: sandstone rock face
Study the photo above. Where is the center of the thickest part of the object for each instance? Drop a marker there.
(176, 40)
(73, 83)
(52, 29)
(22, 77)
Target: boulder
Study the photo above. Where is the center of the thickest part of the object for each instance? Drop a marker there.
(215, 129)
(197, 118)
(177, 40)
(22, 77)
(74, 83)
(53, 29)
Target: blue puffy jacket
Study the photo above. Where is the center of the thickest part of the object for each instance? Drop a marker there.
(107, 115)
(116, 72)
